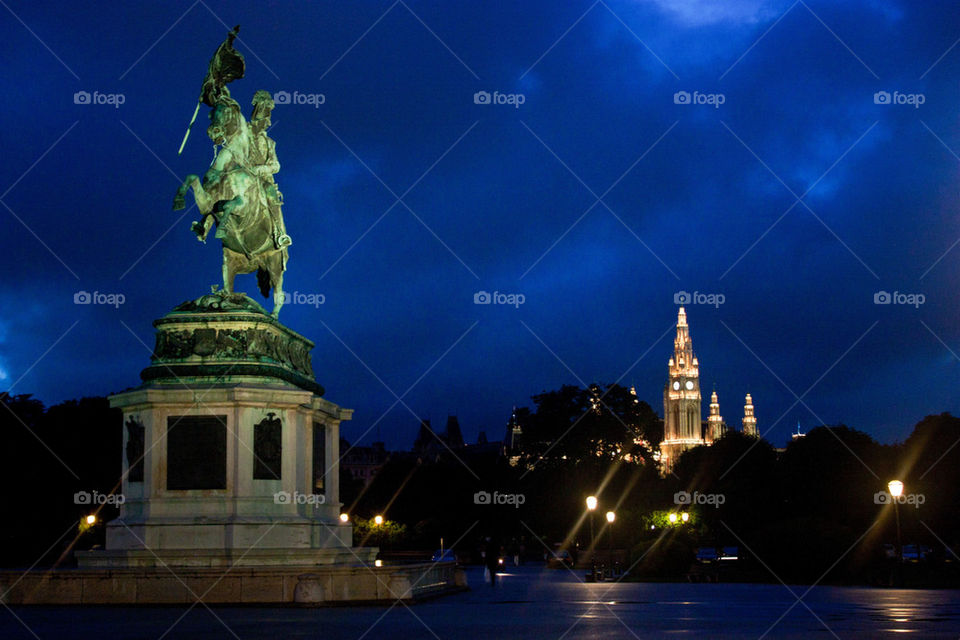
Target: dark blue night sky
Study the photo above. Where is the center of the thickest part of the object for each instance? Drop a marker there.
(494, 197)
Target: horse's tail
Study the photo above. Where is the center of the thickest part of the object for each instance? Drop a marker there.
(263, 281)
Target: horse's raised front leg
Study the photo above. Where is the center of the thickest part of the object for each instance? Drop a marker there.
(179, 200)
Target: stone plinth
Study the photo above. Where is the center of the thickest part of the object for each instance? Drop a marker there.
(220, 336)
(230, 451)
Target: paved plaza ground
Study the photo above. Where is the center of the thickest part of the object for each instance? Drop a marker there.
(531, 602)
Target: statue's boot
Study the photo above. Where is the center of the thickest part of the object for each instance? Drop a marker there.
(284, 241)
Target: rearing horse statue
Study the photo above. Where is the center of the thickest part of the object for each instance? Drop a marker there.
(238, 192)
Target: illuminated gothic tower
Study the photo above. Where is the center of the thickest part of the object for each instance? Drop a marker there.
(715, 426)
(681, 399)
(749, 420)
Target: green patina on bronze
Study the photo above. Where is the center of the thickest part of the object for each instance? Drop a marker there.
(238, 192)
(225, 337)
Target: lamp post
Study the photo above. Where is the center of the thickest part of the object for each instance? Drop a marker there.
(591, 507)
(895, 487)
(611, 516)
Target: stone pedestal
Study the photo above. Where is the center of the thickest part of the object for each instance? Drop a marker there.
(230, 450)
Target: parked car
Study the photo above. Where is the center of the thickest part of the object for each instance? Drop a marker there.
(443, 555)
(560, 558)
(730, 553)
(916, 552)
(707, 554)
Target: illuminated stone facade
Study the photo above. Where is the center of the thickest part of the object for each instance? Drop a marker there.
(682, 427)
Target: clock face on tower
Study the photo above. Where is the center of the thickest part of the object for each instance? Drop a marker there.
(689, 385)
(676, 386)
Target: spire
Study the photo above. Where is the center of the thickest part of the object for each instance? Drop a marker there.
(452, 434)
(425, 437)
(749, 420)
(715, 427)
(514, 433)
(683, 361)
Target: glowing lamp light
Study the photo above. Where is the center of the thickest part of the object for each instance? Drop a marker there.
(344, 517)
(91, 519)
(591, 502)
(611, 516)
(672, 518)
(685, 516)
(378, 563)
(378, 520)
(896, 488)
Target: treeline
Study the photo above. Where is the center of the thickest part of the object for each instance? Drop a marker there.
(808, 511)
(815, 510)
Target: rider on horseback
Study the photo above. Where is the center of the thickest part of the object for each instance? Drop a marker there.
(263, 161)
(247, 149)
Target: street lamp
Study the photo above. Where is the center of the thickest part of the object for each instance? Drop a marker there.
(611, 516)
(91, 519)
(896, 490)
(685, 516)
(591, 507)
(344, 518)
(672, 518)
(378, 520)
